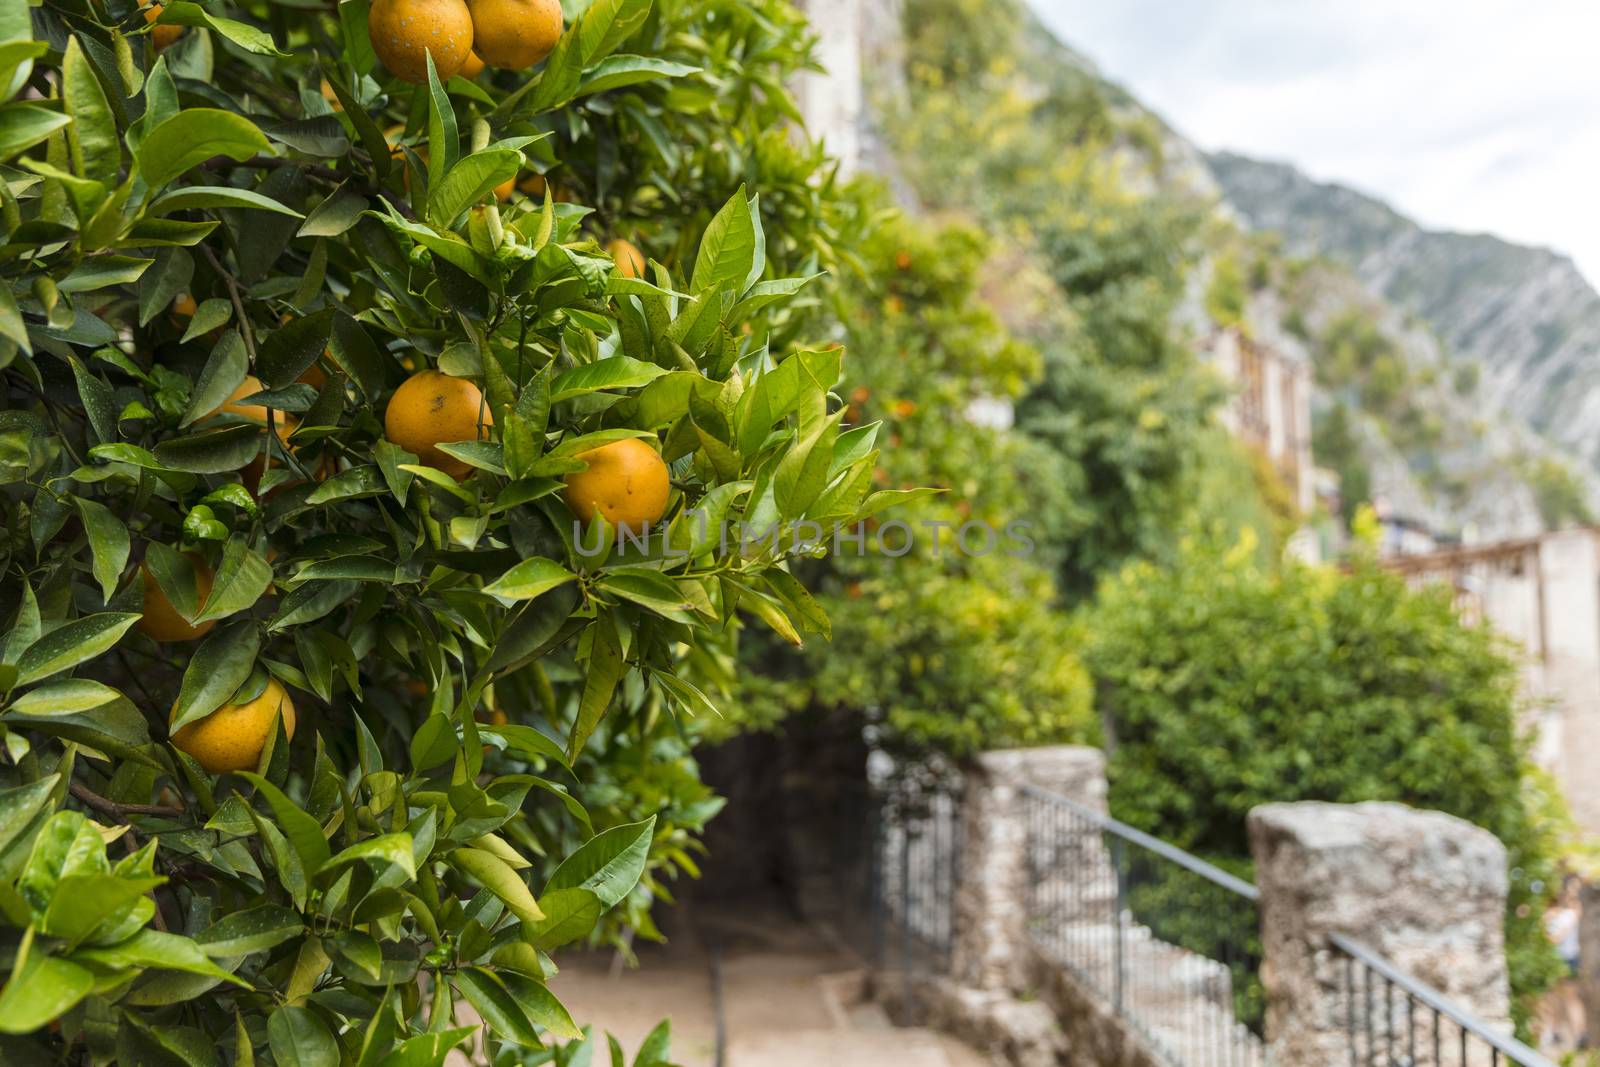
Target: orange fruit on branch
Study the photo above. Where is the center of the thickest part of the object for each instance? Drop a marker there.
(162, 37)
(472, 67)
(232, 737)
(630, 261)
(515, 34)
(404, 32)
(161, 621)
(626, 481)
(430, 409)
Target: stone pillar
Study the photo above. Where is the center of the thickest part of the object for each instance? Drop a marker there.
(1589, 960)
(1425, 890)
(991, 894)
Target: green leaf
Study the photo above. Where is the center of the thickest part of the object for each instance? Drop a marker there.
(193, 136)
(608, 864)
(469, 182)
(198, 197)
(215, 451)
(20, 805)
(285, 353)
(246, 36)
(444, 142)
(427, 1050)
(728, 247)
(101, 272)
(498, 877)
(604, 25)
(210, 315)
(154, 948)
(569, 914)
(541, 1006)
(12, 326)
(41, 990)
(606, 667)
(393, 850)
(240, 581)
(299, 1038)
(65, 697)
(84, 903)
(108, 543)
(252, 930)
(340, 211)
(219, 667)
(24, 125)
(303, 831)
(224, 372)
(529, 579)
(497, 1007)
(71, 644)
(618, 71)
(616, 372)
(649, 589)
(96, 148)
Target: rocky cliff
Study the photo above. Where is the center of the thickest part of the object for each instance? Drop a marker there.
(1526, 316)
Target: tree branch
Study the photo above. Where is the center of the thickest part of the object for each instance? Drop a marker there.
(117, 811)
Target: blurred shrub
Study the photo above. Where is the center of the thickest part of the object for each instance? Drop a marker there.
(1226, 685)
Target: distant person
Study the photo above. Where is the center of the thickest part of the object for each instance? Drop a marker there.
(1561, 923)
(1560, 1011)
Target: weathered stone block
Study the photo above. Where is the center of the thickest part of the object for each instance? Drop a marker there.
(1423, 889)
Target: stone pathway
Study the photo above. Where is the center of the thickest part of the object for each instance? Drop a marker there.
(791, 998)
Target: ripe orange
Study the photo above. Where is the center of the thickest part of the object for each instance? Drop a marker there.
(185, 306)
(629, 260)
(472, 67)
(161, 36)
(232, 737)
(626, 481)
(431, 408)
(161, 621)
(283, 422)
(515, 34)
(404, 32)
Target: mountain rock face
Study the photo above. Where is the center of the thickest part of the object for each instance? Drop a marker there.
(1526, 316)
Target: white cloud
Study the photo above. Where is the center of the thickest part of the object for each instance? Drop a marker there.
(1472, 115)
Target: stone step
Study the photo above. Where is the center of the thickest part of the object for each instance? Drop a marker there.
(908, 1047)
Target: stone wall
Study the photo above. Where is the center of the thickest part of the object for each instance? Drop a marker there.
(1424, 890)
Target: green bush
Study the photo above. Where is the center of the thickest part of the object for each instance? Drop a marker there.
(1226, 685)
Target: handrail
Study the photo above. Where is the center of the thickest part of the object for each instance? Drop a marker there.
(1194, 864)
(1432, 998)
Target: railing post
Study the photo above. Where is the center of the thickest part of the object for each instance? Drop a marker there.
(992, 888)
(1424, 890)
(1119, 963)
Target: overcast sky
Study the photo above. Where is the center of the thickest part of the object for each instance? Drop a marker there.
(1473, 115)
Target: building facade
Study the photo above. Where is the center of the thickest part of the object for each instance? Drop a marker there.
(1544, 594)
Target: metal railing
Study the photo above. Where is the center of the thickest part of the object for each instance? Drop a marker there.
(916, 853)
(1168, 942)
(1394, 1020)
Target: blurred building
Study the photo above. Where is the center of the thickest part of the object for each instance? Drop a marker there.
(1543, 593)
(1271, 406)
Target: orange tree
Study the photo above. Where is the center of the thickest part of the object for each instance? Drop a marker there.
(326, 715)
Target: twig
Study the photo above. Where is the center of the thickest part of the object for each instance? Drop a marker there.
(116, 810)
(246, 332)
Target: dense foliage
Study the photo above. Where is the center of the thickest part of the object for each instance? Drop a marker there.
(945, 632)
(1225, 686)
(220, 270)
(1064, 177)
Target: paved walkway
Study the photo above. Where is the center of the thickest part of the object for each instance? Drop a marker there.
(791, 998)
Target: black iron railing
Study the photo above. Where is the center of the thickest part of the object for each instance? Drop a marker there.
(1168, 942)
(916, 853)
(1394, 1020)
